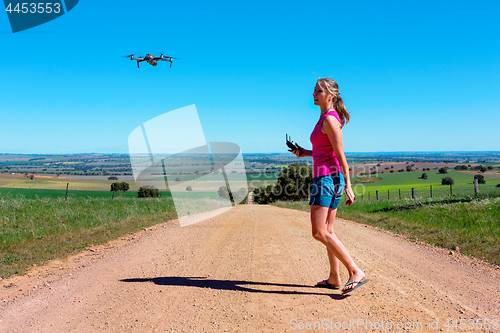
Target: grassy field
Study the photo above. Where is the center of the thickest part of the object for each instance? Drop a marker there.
(405, 181)
(34, 231)
(42, 193)
(59, 183)
(100, 188)
(469, 223)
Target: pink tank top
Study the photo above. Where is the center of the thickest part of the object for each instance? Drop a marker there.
(325, 161)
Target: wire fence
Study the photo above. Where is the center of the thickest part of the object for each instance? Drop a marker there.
(432, 191)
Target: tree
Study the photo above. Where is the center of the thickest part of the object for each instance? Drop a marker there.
(409, 168)
(443, 170)
(241, 196)
(225, 193)
(123, 186)
(447, 181)
(480, 179)
(189, 188)
(293, 184)
(148, 191)
(32, 176)
(112, 178)
(424, 176)
(483, 169)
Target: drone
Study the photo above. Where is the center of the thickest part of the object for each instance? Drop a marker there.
(151, 59)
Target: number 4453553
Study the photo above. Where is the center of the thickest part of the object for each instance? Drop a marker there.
(472, 324)
(33, 8)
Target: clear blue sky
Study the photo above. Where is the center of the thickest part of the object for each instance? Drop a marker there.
(415, 75)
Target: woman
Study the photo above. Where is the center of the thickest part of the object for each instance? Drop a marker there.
(331, 176)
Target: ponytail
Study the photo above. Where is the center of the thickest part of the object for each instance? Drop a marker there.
(338, 105)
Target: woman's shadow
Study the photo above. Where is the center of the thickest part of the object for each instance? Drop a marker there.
(202, 282)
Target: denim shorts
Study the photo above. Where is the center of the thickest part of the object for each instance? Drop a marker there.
(326, 191)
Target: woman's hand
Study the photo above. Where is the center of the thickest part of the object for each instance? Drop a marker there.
(297, 152)
(350, 196)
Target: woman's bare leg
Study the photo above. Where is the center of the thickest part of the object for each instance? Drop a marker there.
(334, 277)
(319, 216)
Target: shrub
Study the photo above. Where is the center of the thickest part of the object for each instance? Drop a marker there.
(498, 185)
(112, 178)
(148, 191)
(392, 171)
(189, 188)
(424, 176)
(447, 181)
(443, 170)
(177, 179)
(409, 168)
(480, 179)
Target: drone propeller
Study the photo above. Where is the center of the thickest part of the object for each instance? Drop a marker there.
(128, 56)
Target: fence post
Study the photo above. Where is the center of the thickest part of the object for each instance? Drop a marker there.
(399, 194)
(66, 198)
(388, 198)
(368, 195)
(413, 193)
(431, 191)
(476, 186)
(451, 190)
(378, 198)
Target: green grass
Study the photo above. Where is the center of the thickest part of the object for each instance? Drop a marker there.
(405, 181)
(33, 231)
(32, 193)
(43, 193)
(467, 222)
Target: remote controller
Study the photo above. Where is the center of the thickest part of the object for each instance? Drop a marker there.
(290, 145)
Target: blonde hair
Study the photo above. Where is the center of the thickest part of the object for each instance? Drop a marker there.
(338, 103)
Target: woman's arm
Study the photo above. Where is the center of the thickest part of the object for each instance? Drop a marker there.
(333, 129)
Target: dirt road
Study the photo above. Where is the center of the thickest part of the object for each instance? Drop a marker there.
(250, 270)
